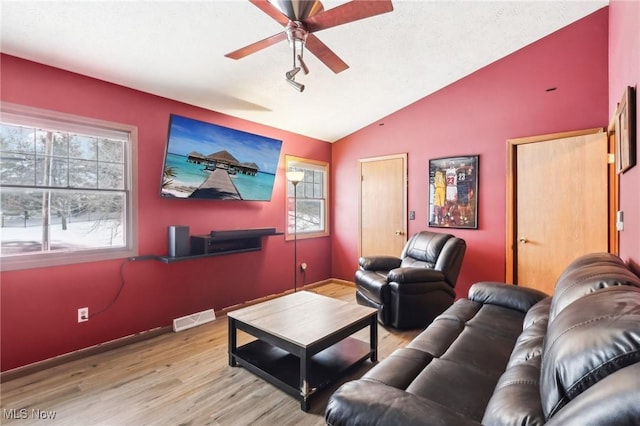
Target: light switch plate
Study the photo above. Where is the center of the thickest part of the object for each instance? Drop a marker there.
(620, 220)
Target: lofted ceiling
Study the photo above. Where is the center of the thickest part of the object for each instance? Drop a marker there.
(176, 49)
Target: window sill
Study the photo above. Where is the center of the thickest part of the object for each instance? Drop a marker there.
(306, 235)
(15, 263)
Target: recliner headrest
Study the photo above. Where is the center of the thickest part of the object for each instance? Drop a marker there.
(425, 246)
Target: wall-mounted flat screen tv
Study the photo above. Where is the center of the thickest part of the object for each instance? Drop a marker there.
(208, 161)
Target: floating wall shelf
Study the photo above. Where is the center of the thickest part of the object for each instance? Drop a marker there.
(219, 243)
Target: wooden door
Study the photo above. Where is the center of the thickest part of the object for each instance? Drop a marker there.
(383, 195)
(561, 205)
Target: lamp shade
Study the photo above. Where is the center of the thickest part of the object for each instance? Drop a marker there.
(295, 177)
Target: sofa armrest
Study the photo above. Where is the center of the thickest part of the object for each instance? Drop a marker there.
(364, 402)
(414, 275)
(507, 295)
(379, 263)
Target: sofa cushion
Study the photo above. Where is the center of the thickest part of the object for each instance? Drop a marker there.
(482, 323)
(590, 339)
(516, 398)
(363, 402)
(400, 368)
(538, 312)
(457, 386)
(529, 344)
(499, 321)
(587, 274)
(487, 340)
(441, 333)
(476, 344)
(534, 328)
(466, 347)
(446, 328)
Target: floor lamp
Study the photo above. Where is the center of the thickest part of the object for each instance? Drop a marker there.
(295, 178)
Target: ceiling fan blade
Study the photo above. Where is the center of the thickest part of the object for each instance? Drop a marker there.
(348, 12)
(257, 46)
(326, 55)
(272, 11)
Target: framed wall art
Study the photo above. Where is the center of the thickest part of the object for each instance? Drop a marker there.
(453, 192)
(626, 132)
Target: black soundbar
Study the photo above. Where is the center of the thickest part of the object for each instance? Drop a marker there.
(241, 233)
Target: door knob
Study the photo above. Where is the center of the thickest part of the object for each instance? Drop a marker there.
(399, 233)
(523, 240)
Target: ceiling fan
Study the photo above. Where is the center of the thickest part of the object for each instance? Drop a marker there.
(302, 18)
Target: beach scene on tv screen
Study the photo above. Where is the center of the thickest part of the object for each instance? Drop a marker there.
(208, 161)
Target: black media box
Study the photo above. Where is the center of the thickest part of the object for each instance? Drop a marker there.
(179, 241)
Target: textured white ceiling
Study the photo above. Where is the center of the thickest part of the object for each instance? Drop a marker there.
(176, 49)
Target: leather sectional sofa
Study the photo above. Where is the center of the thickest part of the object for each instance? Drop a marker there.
(509, 355)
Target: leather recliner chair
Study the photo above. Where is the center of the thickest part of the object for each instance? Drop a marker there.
(411, 290)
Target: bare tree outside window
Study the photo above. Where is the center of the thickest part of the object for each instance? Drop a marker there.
(62, 191)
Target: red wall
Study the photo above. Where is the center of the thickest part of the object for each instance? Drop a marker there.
(624, 70)
(39, 306)
(476, 115)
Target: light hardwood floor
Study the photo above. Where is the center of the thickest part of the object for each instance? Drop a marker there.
(173, 379)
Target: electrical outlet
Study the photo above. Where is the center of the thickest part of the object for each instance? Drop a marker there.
(83, 314)
(303, 267)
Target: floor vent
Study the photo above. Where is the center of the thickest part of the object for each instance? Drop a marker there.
(193, 320)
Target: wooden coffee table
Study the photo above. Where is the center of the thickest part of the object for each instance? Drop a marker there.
(303, 341)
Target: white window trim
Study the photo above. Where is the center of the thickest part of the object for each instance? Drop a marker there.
(11, 113)
(291, 160)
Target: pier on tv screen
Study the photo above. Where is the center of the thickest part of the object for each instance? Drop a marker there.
(207, 161)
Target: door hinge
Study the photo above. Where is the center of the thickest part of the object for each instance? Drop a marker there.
(611, 158)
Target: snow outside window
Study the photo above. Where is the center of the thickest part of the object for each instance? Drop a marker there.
(66, 189)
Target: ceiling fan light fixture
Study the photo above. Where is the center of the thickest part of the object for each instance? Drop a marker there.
(296, 34)
(299, 87)
(292, 73)
(302, 18)
(304, 67)
(298, 10)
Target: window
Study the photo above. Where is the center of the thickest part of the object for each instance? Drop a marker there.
(66, 189)
(310, 214)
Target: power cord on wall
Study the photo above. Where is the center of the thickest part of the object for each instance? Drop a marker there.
(122, 281)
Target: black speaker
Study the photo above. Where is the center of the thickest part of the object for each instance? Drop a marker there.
(179, 243)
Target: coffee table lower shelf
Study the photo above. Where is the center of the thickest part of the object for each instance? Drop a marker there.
(282, 369)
